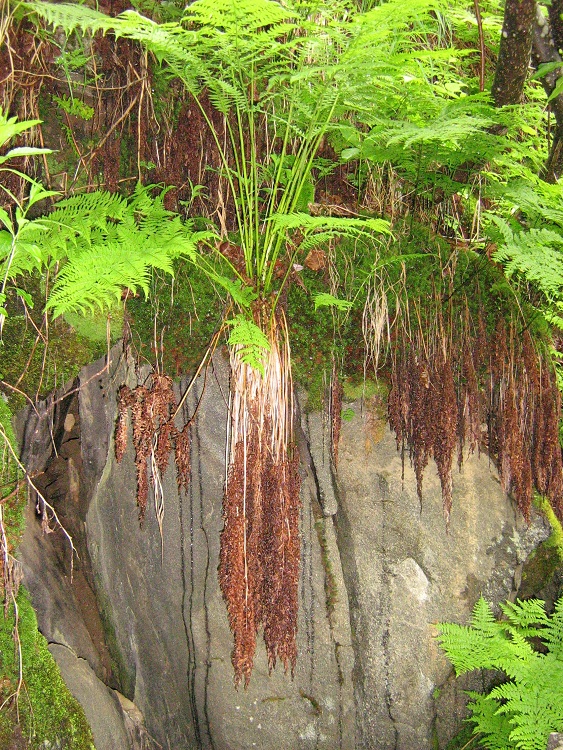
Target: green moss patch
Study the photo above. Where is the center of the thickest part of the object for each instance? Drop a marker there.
(44, 711)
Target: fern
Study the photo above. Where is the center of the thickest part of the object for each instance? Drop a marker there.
(522, 711)
(495, 728)
(70, 16)
(103, 242)
(249, 341)
(534, 255)
(530, 243)
(111, 243)
(323, 299)
(259, 62)
(553, 631)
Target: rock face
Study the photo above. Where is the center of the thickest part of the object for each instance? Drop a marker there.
(405, 572)
(143, 627)
(167, 647)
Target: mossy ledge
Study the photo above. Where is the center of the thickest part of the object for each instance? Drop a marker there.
(45, 714)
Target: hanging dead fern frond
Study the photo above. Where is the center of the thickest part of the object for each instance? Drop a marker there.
(458, 381)
(259, 560)
(155, 436)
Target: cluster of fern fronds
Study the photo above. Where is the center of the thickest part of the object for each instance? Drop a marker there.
(526, 648)
(155, 436)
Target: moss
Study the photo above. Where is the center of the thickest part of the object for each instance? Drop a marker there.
(47, 711)
(28, 362)
(94, 327)
(42, 709)
(555, 539)
(13, 498)
(184, 312)
(365, 389)
(331, 586)
(313, 344)
(544, 562)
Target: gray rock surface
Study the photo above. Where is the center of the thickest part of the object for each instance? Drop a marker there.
(144, 612)
(405, 572)
(160, 603)
(101, 705)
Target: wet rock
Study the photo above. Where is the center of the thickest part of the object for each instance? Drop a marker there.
(405, 572)
(158, 596)
(144, 613)
(101, 706)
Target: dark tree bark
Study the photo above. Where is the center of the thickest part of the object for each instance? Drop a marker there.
(555, 11)
(514, 53)
(544, 50)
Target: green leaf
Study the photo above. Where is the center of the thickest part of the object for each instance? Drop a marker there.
(323, 299)
(24, 151)
(26, 296)
(10, 127)
(38, 193)
(5, 219)
(350, 153)
(250, 342)
(544, 69)
(557, 90)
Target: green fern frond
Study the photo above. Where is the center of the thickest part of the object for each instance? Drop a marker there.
(96, 278)
(535, 255)
(523, 614)
(110, 243)
(538, 201)
(494, 727)
(225, 96)
(552, 633)
(522, 711)
(70, 16)
(453, 130)
(319, 239)
(334, 224)
(323, 299)
(236, 17)
(96, 208)
(249, 340)
(241, 294)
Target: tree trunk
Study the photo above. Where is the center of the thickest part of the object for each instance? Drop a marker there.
(555, 11)
(544, 50)
(514, 52)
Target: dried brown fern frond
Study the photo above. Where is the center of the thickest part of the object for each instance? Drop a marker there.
(452, 375)
(259, 560)
(155, 435)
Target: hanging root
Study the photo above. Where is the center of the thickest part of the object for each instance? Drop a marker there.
(259, 560)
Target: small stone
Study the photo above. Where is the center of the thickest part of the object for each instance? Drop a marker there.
(70, 421)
